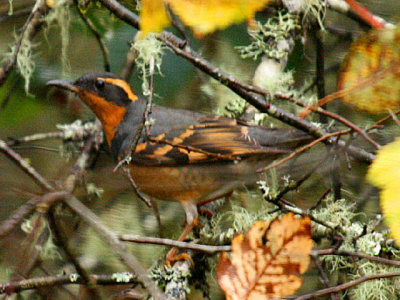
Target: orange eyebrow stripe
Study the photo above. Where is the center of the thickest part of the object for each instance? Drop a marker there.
(123, 85)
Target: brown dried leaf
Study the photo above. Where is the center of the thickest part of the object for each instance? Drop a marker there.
(267, 271)
(370, 73)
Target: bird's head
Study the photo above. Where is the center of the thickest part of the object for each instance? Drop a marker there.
(105, 94)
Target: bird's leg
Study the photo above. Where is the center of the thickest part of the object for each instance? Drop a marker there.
(192, 219)
(208, 212)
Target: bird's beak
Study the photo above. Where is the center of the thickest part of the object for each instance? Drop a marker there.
(64, 84)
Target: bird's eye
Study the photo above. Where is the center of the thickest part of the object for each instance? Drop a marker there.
(99, 84)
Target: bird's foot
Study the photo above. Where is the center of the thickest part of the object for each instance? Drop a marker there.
(172, 257)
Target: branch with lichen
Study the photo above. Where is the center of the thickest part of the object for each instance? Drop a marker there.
(73, 278)
(21, 51)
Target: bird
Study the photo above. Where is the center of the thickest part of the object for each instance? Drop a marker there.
(186, 156)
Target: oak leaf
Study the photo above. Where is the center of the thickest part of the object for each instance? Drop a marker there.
(259, 270)
(370, 73)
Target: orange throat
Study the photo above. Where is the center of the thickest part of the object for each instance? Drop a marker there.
(109, 113)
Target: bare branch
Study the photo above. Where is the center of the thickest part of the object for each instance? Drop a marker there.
(209, 249)
(29, 30)
(347, 285)
(112, 239)
(35, 283)
(26, 209)
(92, 28)
(356, 254)
(22, 164)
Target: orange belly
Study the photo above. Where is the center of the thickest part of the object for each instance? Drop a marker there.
(196, 182)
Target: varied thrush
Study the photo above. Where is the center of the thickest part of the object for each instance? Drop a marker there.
(193, 158)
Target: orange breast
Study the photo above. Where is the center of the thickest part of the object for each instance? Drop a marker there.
(110, 114)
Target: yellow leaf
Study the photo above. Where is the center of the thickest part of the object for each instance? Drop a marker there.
(202, 16)
(371, 71)
(264, 271)
(390, 204)
(385, 174)
(205, 16)
(153, 16)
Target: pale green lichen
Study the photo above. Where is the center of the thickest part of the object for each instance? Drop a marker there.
(125, 277)
(61, 16)
(339, 213)
(10, 9)
(164, 276)
(267, 36)
(25, 63)
(73, 277)
(269, 184)
(282, 82)
(371, 243)
(92, 189)
(357, 238)
(50, 250)
(24, 60)
(240, 219)
(74, 136)
(315, 9)
(235, 108)
(149, 51)
(377, 289)
(26, 226)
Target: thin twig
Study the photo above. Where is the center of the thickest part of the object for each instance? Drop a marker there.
(364, 14)
(36, 137)
(296, 184)
(139, 131)
(324, 276)
(18, 216)
(92, 145)
(112, 239)
(394, 117)
(62, 241)
(35, 283)
(27, 168)
(92, 28)
(301, 149)
(362, 84)
(209, 249)
(144, 125)
(30, 251)
(378, 123)
(356, 254)
(26, 209)
(332, 115)
(28, 31)
(347, 285)
(342, 7)
(21, 12)
(136, 189)
(129, 65)
(285, 205)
